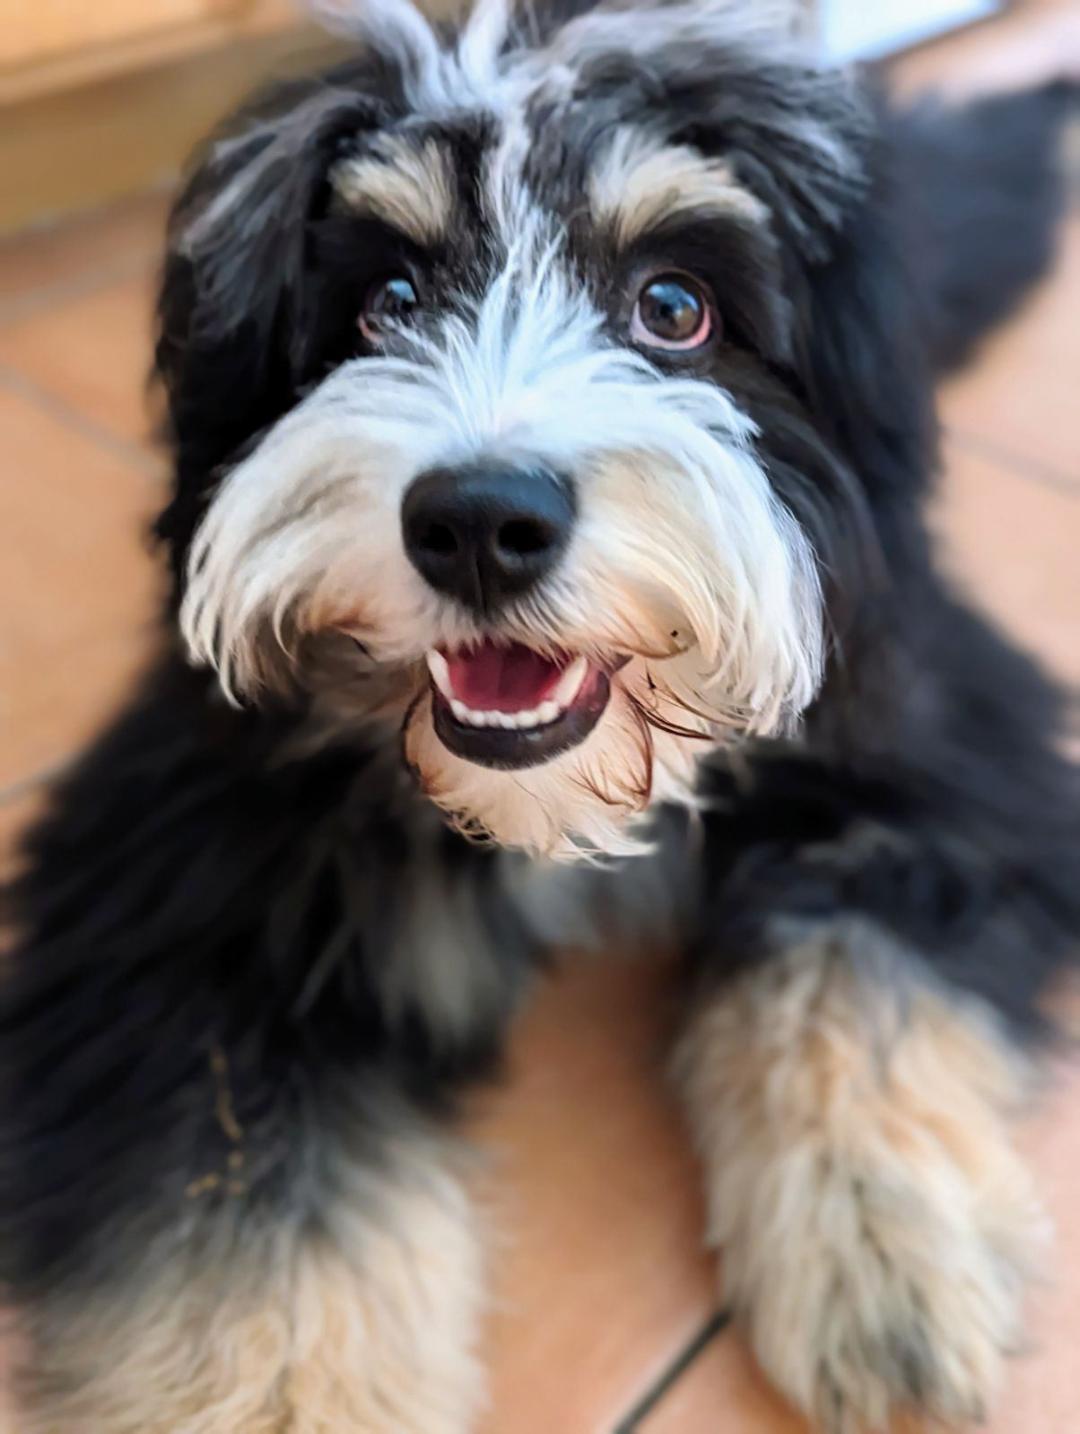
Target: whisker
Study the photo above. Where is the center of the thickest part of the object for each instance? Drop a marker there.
(665, 724)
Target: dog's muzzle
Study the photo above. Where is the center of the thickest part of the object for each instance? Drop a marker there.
(485, 535)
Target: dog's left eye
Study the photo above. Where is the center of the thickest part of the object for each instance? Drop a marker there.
(673, 311)
(390, 301)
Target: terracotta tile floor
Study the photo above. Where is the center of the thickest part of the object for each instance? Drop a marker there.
(604, 1309)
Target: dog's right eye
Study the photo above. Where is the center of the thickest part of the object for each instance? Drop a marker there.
(390, 301)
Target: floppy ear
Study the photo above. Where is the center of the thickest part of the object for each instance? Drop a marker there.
(860, 344)
(230, 339)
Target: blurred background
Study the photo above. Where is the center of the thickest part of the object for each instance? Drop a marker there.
(606, 1315)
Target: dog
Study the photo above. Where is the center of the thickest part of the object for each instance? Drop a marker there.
(551, 407)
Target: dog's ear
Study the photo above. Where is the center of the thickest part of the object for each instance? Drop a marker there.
(860, 341)
(230, 329)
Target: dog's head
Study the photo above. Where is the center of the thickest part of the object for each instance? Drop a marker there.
(508, 387)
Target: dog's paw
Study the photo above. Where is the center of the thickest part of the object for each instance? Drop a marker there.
(887, 1299)
(877, 1225)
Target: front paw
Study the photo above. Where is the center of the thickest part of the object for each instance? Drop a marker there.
(880, 1297)
(878, 1228)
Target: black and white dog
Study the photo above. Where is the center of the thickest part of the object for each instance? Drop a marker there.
(551, 406)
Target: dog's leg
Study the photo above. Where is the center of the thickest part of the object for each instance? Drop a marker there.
(243, 996)
(874, 952)
(351, 1306)
(877, 1226)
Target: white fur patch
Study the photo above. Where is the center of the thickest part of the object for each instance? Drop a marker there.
(437, 76)
(488, 64)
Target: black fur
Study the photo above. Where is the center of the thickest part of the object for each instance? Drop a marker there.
(202, 883)
(984, 216)
(928, 792)
(192, 891)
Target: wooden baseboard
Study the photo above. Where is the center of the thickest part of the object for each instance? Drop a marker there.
(77, 148)
(55, 46)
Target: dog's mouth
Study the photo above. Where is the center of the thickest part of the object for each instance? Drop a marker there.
(505, 705)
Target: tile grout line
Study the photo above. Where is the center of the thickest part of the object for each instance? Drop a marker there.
(32, 392)
(61, 291)
(1028, 470)
(631, 1423)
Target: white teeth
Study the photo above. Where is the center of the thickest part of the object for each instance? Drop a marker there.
(570, 682)
(510, 721)
(566, 690)
(440, 672)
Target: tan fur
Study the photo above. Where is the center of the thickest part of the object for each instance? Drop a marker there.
(407, 186)
(878, 1228)
(364, 1325)
(640, 182)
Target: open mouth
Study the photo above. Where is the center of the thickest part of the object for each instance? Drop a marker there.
(504, 705)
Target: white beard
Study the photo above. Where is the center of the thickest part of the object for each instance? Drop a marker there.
(582, 803)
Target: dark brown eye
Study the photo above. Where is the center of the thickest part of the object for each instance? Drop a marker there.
(390, 301)
(673, 311)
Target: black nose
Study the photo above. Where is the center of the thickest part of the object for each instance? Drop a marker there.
(484, 534)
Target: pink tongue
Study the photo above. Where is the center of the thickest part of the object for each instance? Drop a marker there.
(501, 679)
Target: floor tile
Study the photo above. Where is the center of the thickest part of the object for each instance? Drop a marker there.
(599, 1276)
(1034, 39)
(77, 589)
(53, 260)
(91, 351)
(77, 689)
(1021, 394)
(1013, 543)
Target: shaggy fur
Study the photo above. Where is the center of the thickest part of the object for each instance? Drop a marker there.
(280, 915)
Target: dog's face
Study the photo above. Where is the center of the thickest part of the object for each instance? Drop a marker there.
(502, 344)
